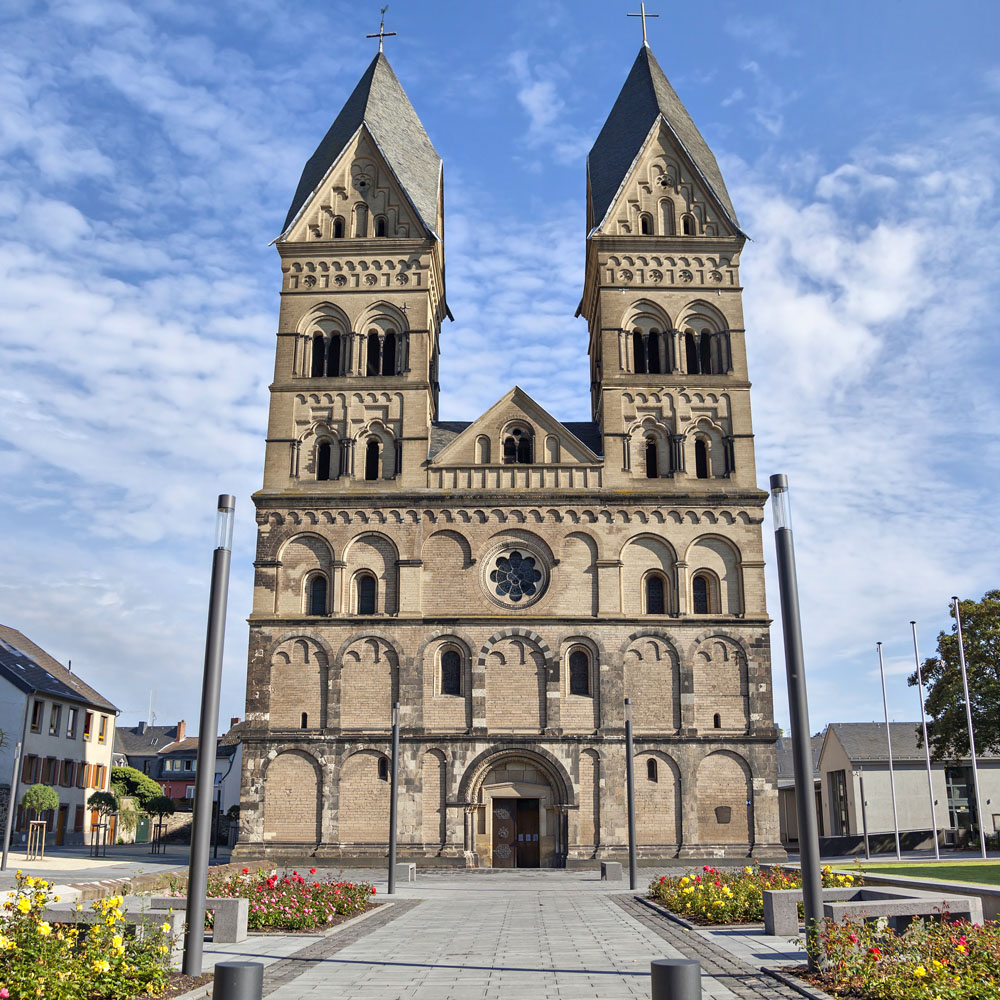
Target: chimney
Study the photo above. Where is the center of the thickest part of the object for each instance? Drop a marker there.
(142, 728)
(181, 730)
(234, 721)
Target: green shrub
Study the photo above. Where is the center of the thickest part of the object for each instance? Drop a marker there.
(106, 803)
(128, 781)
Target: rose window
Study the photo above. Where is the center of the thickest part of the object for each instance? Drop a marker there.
(515, 577)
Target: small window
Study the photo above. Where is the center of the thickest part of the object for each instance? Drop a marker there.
(668, 217)
(383, 769)
(652, 472)
(318, 355)
(371, 460)
(71, 717)
(691, 354)
(317, 595)
(716, 721)
(102, 735)
(705, 353)
(451, 672)
(88, 725)
(338, 228)
(645, 225)
(483, 450)
(701, 458)
(579, 673)
(655, 595)
(688, 225)
(37, 711)
(380, 226)
(374, 366)
(389, 355)
(305, 720)
(639, 352)
(366, 594)
(653, 365)
(333, 357)
(361, 220)
(651, 774)
(701, 595)
(55, 718)
(323, 461)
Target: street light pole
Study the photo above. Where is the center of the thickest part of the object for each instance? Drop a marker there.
(927, 746)
(972, 738)
(864, 812)
(888, 739)
(208, 726)
(14, 778)
(798, 710)
(393, 789)
(633, 877)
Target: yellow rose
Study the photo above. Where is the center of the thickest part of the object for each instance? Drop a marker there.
(29, 881)
(687, 890)
(920, 972)
(163, 949)
(748, 870)
(79, 907)
(101, 965)
(57, 898)
(117, 941)
(44, 928)
(165, 927)
(6, 943)
(23, 905)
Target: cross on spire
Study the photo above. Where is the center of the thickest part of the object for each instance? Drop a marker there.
(642, 14)
(382, 33)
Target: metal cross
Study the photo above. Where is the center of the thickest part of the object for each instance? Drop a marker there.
(642, 14)
(382, 33)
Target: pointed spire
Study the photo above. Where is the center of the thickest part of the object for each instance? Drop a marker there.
(645, 97)
(379, 103)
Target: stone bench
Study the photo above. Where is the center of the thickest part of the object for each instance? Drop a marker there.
(898, 906)
(231, 914)
(406, 871)
(138, 919)
(611, 871)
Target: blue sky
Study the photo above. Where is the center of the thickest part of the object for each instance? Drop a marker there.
(148, 155)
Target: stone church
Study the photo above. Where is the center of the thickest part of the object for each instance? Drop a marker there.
(509, 581)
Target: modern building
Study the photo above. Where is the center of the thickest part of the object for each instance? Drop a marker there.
(67, 731)
(787, 816)
(510, 581)
(855, 756)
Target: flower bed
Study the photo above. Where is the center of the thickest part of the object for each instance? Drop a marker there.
(931, 960)
(714, 896)
(293, 902)
(97, 961)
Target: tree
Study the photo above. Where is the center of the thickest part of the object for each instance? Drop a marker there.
(106, 803)
(39, 799)
(161, 805)
(947, 729)
(128, 781)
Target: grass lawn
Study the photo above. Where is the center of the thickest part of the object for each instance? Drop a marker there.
(980, 872)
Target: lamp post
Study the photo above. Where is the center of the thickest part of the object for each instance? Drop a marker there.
(968, 719)
(864, 811)
(927, 746)
(393, 788)
(194, 936)
(798, 710)
(888, 740)
(633, 878)
(14, 777)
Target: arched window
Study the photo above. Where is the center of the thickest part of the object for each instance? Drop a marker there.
(691, 353)
(380, 226)
(361, 219)
(451, 672)
(333, 357)
(482, 450)
(318, 355)
(317, 595)
(383, 769)
(652, 472)
(639, 352)
(705, 353)
(667, 210)
(374, 365)
(701, 591)
(579, 673)
(716, 721)
(371, 460)
(651, 774)
(656, 596)
(701, 459)
(687, 225)
(552, 449)
(517, 448)
(653, 365)
(323, 461)
(389, 354)
(366, 594)
(305, 720)
(646, 224)
(338, 228)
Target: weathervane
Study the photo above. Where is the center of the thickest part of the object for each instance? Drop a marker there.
(382, 33)
(642, 14)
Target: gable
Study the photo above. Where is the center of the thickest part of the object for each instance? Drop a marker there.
(482, 441)
(665, 186)
(358, 189)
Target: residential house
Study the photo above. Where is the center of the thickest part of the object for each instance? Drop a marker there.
(787, 816)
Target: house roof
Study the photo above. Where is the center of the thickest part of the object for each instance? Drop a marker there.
(131, 742)
(29, 668)
(380, 103)
(189, 745)
(866, 741)
(646, 97)
(786, 767)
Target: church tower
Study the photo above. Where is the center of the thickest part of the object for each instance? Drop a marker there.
(509, 581)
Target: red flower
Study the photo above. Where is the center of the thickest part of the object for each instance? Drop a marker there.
(373, 890)
(312, 871)
(246, 871)
(875, 953)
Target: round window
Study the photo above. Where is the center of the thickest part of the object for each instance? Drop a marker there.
(515, 577)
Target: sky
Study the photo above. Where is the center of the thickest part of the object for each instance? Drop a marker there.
(148, 154)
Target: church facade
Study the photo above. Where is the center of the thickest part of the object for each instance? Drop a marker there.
(509, 581)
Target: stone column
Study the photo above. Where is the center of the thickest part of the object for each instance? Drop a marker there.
(337, 603)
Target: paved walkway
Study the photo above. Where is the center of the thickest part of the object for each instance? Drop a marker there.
(540, 935)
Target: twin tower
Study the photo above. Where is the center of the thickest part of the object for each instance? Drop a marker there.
(509, 581)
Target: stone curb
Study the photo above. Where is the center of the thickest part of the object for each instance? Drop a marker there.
(793, 983)
(669, 914)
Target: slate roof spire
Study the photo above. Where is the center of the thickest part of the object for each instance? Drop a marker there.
(380, 103)
(645, 97)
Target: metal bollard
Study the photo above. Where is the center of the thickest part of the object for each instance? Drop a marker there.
(676, 979)
(238, 981)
